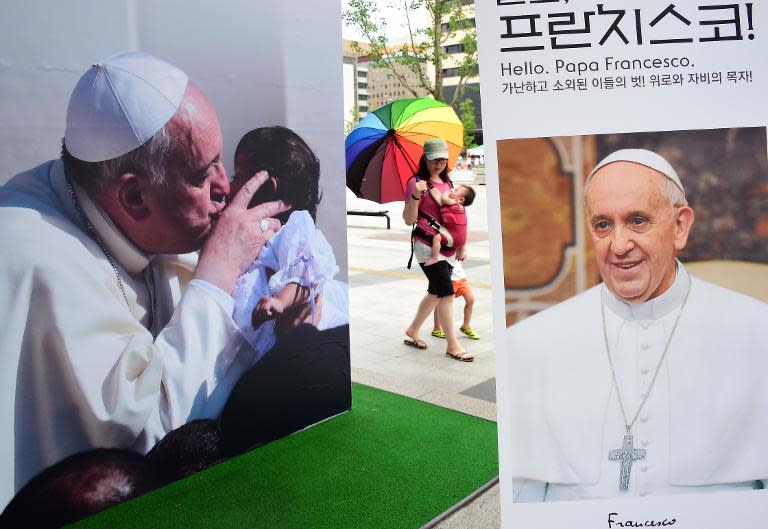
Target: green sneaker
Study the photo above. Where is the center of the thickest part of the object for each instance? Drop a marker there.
(470, 333)
(438, 333)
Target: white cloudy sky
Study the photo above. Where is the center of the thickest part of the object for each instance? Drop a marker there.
(396, 28)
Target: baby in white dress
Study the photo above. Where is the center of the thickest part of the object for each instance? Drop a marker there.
(292, 281)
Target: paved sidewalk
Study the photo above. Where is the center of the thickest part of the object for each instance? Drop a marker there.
(384, 295)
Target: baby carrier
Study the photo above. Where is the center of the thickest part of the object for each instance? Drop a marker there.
(454, 219)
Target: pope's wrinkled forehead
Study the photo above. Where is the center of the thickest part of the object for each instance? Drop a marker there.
(623, 182)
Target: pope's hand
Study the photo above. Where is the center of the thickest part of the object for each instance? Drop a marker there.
(238, 236)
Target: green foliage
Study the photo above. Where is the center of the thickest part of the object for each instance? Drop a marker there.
(426, 45)
(467, 117)
(354, 119)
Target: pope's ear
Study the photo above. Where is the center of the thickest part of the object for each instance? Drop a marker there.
(132, 196)
(683, 222)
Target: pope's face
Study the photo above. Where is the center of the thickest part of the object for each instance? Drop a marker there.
(635, 230)
(186, 207)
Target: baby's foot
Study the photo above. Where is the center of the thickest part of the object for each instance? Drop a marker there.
(430, 261)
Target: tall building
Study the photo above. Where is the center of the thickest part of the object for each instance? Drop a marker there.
(384, 86)
(355, 74)
(455, 51)
(367, 87)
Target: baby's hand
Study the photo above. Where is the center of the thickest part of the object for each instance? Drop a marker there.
(266, 309)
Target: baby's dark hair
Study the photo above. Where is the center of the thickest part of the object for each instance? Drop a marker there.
(285, 156)
(469, 195)
(79, 486)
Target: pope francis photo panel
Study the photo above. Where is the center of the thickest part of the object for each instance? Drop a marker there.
(173, 284)
(636, 275)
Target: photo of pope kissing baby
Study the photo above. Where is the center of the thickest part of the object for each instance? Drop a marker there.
(291, 308)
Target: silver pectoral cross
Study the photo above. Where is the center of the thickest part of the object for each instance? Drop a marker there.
(626, 455)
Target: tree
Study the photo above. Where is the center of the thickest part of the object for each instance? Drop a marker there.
(426, 45)
(467, 117)
(354, 119)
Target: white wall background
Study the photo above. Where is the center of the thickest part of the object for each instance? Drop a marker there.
(261, 62)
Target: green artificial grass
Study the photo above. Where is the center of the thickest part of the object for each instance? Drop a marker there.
(391, 462)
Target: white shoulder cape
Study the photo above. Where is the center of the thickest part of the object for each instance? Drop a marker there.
(560, 383)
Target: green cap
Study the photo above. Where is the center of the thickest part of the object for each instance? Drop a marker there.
(435, 148)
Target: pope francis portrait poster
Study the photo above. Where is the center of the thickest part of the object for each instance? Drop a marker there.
(649, 382)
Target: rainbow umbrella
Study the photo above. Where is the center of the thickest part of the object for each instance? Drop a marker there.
(383, 150)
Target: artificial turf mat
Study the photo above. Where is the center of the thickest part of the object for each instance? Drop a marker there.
(391, 462)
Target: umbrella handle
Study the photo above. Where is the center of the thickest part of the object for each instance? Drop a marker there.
(417, 181)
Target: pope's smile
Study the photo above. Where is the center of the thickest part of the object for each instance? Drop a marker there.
(626, 266)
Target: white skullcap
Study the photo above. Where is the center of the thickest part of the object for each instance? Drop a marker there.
(643, 157)
(121, 103)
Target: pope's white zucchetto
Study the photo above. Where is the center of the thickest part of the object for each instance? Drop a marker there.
(642, 157)
(120, 103)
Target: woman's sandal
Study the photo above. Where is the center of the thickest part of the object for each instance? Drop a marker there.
(418, 344)
(463, 356)
(438, 333)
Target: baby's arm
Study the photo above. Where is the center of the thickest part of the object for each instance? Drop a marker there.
(269, 307)
(446, 200)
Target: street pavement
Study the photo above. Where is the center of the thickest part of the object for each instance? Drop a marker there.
(384, 295)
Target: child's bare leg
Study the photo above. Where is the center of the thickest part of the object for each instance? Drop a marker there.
(469, 303)
(446, 236)
(435, 251)
(437, 329)
(436, 321)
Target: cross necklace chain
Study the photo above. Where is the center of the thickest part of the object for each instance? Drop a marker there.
(628, 454)
(94, 234)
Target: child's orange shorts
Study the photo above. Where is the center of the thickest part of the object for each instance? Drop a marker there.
(460, 287)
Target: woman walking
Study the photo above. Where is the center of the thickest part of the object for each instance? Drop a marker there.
(421, 208)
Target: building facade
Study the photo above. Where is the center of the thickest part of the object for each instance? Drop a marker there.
(455, 50)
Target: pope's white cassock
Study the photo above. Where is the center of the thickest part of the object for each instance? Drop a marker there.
(704, 425)
(79, 367)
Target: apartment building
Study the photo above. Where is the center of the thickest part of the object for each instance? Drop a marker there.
(355, 72)
(455, 51)
(367, 87)
(384, 86)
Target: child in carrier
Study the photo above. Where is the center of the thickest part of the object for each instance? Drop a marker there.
(453, 231)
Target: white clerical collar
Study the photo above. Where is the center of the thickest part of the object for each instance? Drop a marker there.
(655, 308)
(133, 260)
